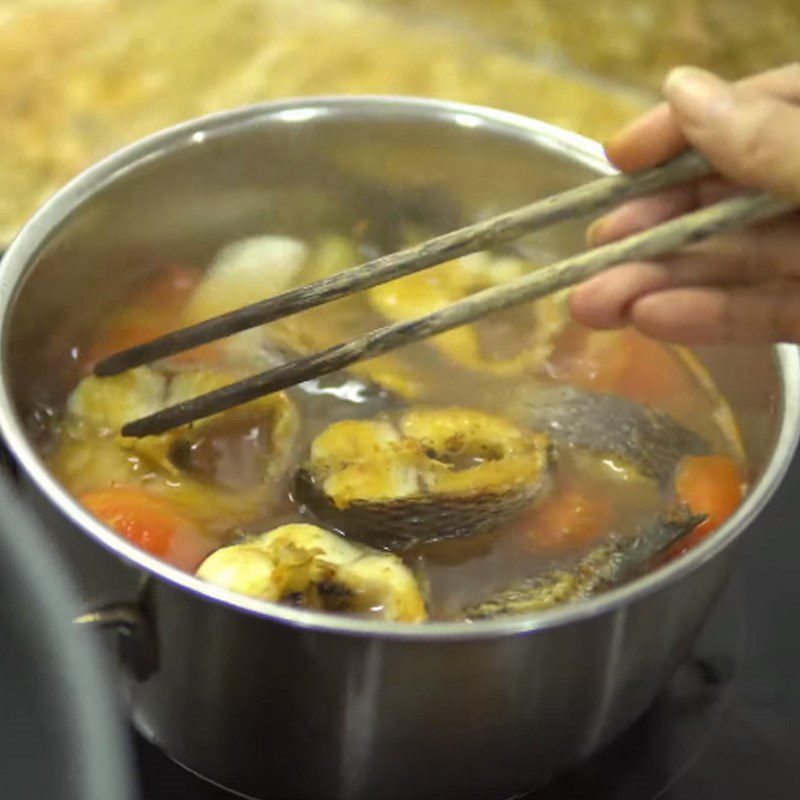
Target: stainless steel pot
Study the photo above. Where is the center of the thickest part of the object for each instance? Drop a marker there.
(280, 702)
(63, 735)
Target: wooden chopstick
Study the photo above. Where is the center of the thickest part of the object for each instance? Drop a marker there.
(590, 198)
(662, 239)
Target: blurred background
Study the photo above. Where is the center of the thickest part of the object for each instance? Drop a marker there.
(79, 78)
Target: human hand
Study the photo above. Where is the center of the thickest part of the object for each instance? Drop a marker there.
(742, 287)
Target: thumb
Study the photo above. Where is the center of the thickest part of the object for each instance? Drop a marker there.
(751, 138)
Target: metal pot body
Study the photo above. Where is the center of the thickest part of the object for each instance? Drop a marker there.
(279, 702)
(274, 711)
(63, 735)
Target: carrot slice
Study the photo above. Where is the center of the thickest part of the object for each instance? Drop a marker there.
(710, 485)
(623, 362)
(170, 290)
(654, 375)
(591, 360)
(571, 518)
(149, 521)
(153, 313)
(127, 333)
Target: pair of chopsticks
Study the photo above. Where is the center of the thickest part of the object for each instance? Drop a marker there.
(599, 195)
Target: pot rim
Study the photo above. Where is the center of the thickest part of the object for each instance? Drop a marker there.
(54, 213)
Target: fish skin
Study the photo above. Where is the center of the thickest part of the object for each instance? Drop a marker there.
(615, 561)
(610, 425)
(406, 523)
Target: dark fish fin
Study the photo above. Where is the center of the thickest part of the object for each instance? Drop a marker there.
(610, 425)
(606, 566)
(656, 537)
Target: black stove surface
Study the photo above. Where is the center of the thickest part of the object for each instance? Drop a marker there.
(728, 725)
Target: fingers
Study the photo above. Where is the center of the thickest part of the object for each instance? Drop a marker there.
(762, 255)
(604, 301)
(782, 82)
(638, 215)
(748, 130)
(652, 138)
(697, 315)
(749, 137)
(738, 288)
(658, 135)
(705, 315)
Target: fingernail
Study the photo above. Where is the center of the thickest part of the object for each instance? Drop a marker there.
(697, 93)
(594, 230)
(610, 146)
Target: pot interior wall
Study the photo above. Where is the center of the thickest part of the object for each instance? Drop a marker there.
(299, 173)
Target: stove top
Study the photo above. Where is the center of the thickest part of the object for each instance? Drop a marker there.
(727, 726)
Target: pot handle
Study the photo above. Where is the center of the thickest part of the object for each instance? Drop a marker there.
(136, 637)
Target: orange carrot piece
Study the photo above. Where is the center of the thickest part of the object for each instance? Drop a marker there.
(119, 337)
(623, 362)
(149, 521)
(170, 290)
(153, 313)
(571, 518)
(591, 360)
(710, 485)
(654, 374)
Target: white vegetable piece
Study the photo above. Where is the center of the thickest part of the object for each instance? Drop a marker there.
(246, 271)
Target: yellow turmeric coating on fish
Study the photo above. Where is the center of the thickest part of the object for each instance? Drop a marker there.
(99, 407)
(428, 451)
(470, 345)
(311, 567)
(429, 474)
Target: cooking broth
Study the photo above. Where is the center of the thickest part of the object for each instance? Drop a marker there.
(186, 494)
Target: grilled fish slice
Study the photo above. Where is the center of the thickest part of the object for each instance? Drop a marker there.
(608, 425)
(307, 566)
(99, 407)
(618, 560)
(429, 474)
(470, 346)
